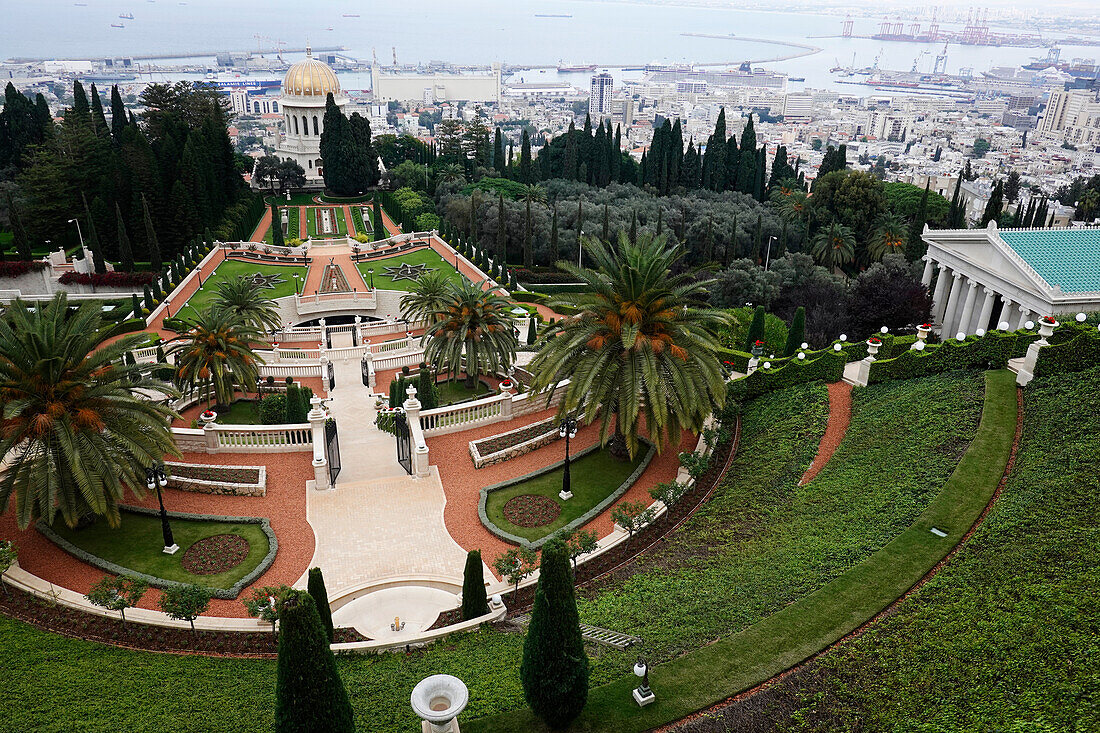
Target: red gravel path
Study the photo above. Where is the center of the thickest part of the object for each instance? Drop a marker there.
(840, 415)
(284, 505)
(462, 483)
(261, 229)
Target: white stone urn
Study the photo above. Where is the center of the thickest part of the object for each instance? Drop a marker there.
(507, 385)
(923, 330)
(1046, 328)
(208, 416)
(872, 349)
(438, 700)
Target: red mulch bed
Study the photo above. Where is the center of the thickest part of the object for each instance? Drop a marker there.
(531, 510)
(82, 625)
(217, 554)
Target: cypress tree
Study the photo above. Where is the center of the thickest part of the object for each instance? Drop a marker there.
(498, 152)
(99, 120)
(642, 169)
(796, 334)
(379, 227)
(532, 331)
(554, 670)
(309, 694)
(675, 154)
(714, 156)
(81, 108)
(426, 390)
(689, 169)
(149, 302)
(756, 328)
(474, 602)
(316, 589)
(915, 245)
(956, 217)
(731, 245)
(135, 305)
(554, 252)
(276, 227)
(98, 264)
(995, 204)
(502, 231)
(617, 155)
(118, 113)
(525, 175)
(746, 164)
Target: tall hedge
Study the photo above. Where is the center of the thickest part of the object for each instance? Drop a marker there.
(309, 694)
(554, 670)
(474, 601)
(316, 589)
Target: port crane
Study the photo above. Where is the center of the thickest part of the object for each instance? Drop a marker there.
(917, 60)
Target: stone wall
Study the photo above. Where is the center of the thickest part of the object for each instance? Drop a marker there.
(223, 488)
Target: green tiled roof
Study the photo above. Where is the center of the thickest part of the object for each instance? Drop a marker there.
(1069, 258)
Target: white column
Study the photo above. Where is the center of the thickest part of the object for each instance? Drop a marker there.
(939, 298)
(420, 455)
(316, 419)
(926, 278)
(968, 307)
(1006, 314)
(986, 312)
(1025, 315)
(954, 303)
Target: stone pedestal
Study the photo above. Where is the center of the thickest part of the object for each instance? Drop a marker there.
(316, 419)
(643, 699)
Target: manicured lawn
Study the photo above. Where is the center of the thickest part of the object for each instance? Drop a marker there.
(136, 544)
(298, 199)
(234, 269)
(241, 412)
(452, 392)
(592, 479)
(1005, 636)
(760, 546)
(427, 256)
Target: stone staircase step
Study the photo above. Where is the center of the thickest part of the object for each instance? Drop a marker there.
(599, 635)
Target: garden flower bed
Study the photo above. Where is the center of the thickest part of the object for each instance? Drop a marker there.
(212, 479)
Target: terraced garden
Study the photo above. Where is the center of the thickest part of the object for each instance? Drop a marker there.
(234, 269)
(427, 256)
(760, 544)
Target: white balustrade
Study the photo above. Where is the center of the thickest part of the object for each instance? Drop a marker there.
(466, 415)
(319, 302)
(261, 438)
(291, 370)
(399, 360)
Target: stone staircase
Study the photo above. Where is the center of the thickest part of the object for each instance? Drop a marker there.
(615, 639)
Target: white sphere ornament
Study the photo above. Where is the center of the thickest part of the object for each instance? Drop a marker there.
(960, 336)
(843, 337)
(767, 365)
(836, 347)
(1029, 325)
(805, 345)
(919, 346)
(980, 332)
(1002, 326)
(1080, 317)
(801, 356)
(884, 329)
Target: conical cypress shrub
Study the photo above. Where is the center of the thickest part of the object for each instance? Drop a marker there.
(554, 670)
(316, 588)
(532, 331)
(474, 602)
(756, 328)
(309, 694)
(797, 333)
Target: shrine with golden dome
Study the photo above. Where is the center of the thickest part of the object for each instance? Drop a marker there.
(306, 87)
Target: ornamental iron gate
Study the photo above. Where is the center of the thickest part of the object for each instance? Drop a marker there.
(332, 450)
(401, 430)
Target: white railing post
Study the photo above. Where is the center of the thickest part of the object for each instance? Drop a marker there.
(316, 418)
(420, 446)
(210, 433)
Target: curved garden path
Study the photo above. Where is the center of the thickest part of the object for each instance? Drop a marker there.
(840, 416)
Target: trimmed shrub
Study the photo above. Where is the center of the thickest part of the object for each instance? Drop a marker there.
(316, 588)
(107, 279)
(796, 335)
(309, 694)
(554, 670)
(756, 329)
(273, 409)
(474, 601)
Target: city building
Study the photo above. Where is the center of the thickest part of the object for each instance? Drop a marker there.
(393, 85)
(306, 87)
(599, 99)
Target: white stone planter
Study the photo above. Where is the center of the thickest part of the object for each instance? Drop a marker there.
(872, 349)
(208, 417)
(1046, 330)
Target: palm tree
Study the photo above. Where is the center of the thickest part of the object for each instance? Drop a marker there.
(531, 193)
(639, 344)
(472, 323)
(215, 351)
(78, 424)
(452, 173)
(834, 245)
(428, 298)
(889, 236)
(245, 298)
(793, 203)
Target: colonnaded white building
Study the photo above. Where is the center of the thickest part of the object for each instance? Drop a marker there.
(306, 87)
(985, 277)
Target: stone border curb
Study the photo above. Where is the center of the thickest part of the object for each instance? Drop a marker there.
(223, 593)
(579, 521)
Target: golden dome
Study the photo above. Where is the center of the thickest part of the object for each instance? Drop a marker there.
(310, 78)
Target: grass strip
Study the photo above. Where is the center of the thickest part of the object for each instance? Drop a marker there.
(744, 660)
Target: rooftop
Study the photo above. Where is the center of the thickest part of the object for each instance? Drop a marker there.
(1068, 258)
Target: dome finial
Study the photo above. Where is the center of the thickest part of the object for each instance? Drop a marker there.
(309, 50)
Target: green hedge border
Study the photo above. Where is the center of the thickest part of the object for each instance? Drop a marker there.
(223, 593)
(790, 636)
(579, 521)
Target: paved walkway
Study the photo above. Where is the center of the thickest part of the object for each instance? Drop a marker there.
(365, 451)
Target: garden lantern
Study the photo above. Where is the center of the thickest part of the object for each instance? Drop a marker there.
(567, 430)
(155, 478)
(642, 694)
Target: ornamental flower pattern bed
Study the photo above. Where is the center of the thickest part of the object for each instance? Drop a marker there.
(531, 510)
(215, 554)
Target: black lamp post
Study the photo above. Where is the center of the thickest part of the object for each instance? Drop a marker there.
(370, 271)
(567, 430)
(155, 478)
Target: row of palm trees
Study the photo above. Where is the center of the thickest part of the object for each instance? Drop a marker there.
(634, 352)
(79, 422)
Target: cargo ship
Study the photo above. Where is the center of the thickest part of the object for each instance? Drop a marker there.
(576, 67)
